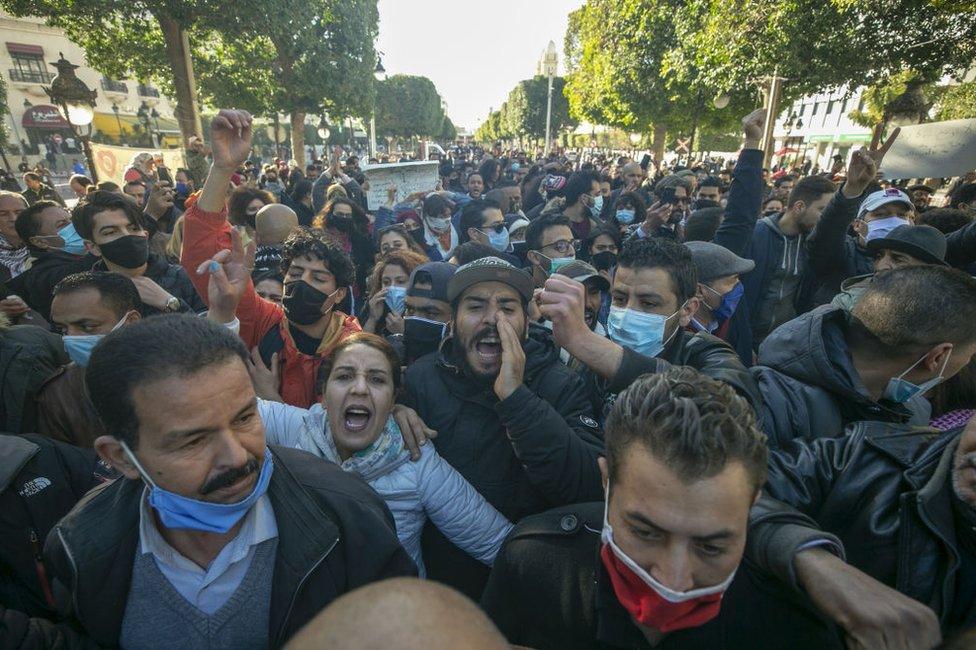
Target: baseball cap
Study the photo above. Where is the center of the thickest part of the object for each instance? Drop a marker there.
(437, 275)
(714, 261)
(490, 269)
(882, 197)
(921, 242)
(582, 272)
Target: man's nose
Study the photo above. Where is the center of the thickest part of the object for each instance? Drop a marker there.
(673, 569)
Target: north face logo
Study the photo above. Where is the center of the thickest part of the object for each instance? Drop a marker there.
(32, 487)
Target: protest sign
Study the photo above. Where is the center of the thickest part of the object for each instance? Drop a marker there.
(932, 150)
(407, 177)
(111, 162)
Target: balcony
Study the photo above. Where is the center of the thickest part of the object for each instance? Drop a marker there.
(30, 76)
(112, 86)
(148, 91)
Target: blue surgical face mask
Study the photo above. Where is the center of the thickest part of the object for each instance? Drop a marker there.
(182, 189)
(881, 227)
(626, 217)
(497, 240)
(730, 301)
(79, 346)
(597, 206)
(901, 390)
(73, 243)
(396, 298)
(177, 511)
(641, 332)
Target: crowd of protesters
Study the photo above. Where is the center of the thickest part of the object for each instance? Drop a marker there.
(615, 403)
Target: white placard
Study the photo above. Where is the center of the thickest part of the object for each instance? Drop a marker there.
(932, 150)
(408, 177)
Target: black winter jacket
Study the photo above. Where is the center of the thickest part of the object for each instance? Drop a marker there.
(29, 355)
(525, 454)
(36, 284)
(172, 278)
(811, 389)
(886, 491)
(334, 535)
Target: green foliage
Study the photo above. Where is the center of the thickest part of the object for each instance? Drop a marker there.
(877, 97)
(448, 130)
(408, 106)
(526, 108)
(4, 109)
(958, 102)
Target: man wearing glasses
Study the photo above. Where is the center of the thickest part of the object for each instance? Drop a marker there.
(551, 245)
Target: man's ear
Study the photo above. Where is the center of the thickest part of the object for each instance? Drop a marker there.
(601, 461)
(687, 311)
(473, 234)
(110, 450)
(936, 357)
(339, 297)
(534, 257)
(92, 248)
(132, 317)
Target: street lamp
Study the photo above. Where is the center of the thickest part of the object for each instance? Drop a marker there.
(76, 101)
(380, 75)
(550, 63)
(155, 115)
(27, 104)
(323, 131)
(118, 121)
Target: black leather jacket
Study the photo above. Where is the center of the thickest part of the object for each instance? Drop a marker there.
(885, 490)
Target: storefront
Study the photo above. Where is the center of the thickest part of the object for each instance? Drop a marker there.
(43, 125)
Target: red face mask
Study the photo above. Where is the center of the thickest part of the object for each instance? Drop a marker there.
(648, 601)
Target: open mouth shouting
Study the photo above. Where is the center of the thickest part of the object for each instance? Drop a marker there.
(356, 418)
(489, 349)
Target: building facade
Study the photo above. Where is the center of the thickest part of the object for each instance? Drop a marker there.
(816, 128)
(127, 112)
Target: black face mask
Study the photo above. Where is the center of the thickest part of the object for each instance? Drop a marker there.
(421, 336)
(129, 252)
(604, 261)
(303, 302)
(418, 236)
(340, 223)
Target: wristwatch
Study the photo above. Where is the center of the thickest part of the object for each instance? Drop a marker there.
(173, 304)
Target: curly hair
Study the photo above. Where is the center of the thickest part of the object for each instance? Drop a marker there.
(239, 200)
(688, 421)
(405, 259)
(317, 245)
(359, 219)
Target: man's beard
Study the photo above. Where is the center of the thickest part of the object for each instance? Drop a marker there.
(461, 354)
(965, 491)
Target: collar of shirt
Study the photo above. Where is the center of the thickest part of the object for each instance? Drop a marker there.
(259, 525)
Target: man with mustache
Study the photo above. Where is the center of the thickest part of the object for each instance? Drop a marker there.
(509, 416)
(903, 502)
(212, 538)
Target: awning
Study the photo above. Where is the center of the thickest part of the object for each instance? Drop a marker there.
(107, 124)
(844, 137)
(23, 48)
(44, 116)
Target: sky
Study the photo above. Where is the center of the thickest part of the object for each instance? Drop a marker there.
(474, 52)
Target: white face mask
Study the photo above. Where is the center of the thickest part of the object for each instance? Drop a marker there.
(439, 224)
(881, 227)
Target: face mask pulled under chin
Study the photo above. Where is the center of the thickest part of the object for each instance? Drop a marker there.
(900, 390)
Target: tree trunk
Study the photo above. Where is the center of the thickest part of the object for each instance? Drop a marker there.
(298, 138)
(181, 65)
(658, 141)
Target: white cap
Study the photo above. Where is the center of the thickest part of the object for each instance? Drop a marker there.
(876, 199)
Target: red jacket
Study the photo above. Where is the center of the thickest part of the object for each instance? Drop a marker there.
(206, 233)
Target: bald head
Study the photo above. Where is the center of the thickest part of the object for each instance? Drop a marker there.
(402, 613)
(273, 223)
(632, 174)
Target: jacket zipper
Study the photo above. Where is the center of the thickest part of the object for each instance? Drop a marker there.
(294, 596)
(41, 570)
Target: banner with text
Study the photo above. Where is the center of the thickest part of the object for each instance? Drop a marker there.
(408, 178)
(932, 150)
(111, 162)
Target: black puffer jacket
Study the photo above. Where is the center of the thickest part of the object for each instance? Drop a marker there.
(810, 387)
(172, 278)
(886, 491)
(533, 451)
(36, 284)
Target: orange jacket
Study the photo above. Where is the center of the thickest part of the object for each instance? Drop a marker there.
(206, 233)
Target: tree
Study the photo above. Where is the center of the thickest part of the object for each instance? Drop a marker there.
(448, 130)
(526, 107)
(139, 39)
(304, 57)
(957, 102)
(408, 106)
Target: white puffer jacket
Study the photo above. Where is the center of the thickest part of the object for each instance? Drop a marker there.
(413, 491)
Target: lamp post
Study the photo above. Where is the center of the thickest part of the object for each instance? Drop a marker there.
(551, 61)
(144, 118)
(155, 116)
(380, 75)
(118, 121)
(274, 133)
(76, 101)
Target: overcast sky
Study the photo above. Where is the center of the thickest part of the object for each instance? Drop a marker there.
(474, 52)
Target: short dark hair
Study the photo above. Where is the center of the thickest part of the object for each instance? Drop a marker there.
(703, 223)
(81, 179)
(434, 205)
(782, 179)
(690, 422)
(27, 224)
(578, 184)
(965, 194)
(471, 251)
(894, 316)
(83, 215)
(537, 227)
(153, 349)
(117, 291)
(472, 216)
(32, 176)
(659, 253)
(711, 181)
(599, 231)
(134, 181)
(945, 220)
(809, 189)
(672, 180)
(317, 245)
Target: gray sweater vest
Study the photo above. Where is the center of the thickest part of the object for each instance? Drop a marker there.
(157, 616)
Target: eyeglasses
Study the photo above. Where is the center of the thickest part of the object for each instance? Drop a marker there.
(563, 245)
(498, 227)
